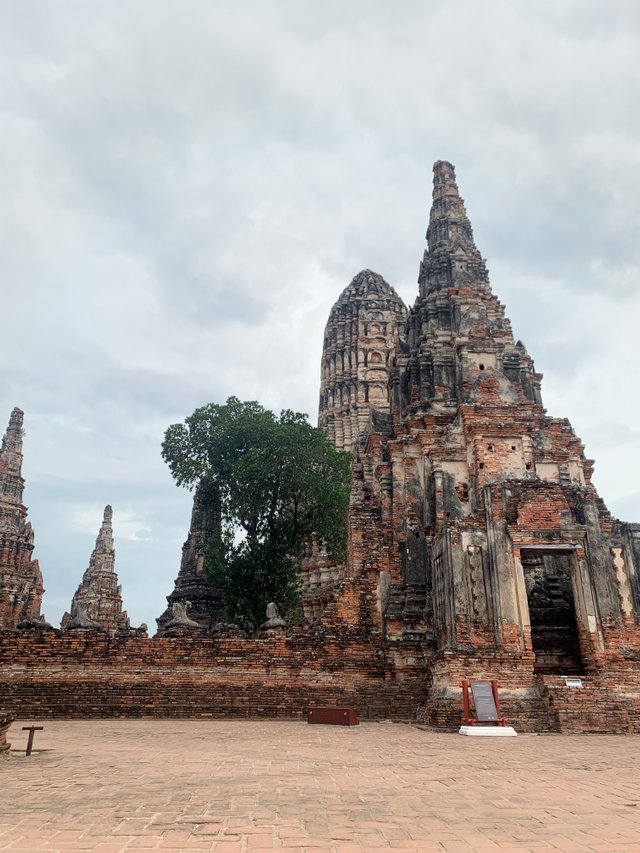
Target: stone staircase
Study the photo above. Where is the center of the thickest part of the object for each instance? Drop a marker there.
(601, 705)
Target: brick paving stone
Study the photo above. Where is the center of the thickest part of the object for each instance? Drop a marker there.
(244, 787)
(259, 841)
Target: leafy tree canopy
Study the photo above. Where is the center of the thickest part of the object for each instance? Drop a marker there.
(278, 481)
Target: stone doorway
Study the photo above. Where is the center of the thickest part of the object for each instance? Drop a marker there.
(552, 611)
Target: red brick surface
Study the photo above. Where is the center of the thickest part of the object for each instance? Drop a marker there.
(255, 786)
(90, 674)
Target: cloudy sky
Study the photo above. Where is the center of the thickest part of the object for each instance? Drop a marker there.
(187, 186)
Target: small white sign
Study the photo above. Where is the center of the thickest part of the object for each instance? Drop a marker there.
(572, 682)
(488, 731)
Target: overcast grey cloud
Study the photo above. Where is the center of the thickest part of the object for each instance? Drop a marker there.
(188, 186)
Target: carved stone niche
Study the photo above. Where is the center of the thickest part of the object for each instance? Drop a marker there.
(554, 632)
(475, 568)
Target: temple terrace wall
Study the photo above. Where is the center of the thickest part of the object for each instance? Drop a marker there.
(48, 674)
(79, 674)
(343, 660)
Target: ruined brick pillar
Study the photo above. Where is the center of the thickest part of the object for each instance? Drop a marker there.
(205, 604)
(21, 586)
(98, 599)
(319, 579)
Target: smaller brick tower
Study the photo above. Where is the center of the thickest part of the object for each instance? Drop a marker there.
(20, 577)
(359, 339)
(191, 585)
(99, 596)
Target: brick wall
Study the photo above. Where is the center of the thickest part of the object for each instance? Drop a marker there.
(342, 660)
(608, 702)
(84, 674)
(88, 674)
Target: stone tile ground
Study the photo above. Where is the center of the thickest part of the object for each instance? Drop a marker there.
(111, 786)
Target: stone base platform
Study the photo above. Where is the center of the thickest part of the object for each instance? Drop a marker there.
(487, 731)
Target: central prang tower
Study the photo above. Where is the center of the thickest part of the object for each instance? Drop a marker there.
(472, 511)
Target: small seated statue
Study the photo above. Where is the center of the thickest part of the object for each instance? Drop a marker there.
(80, 617)
(132, 631)
(275, 624)
(179, 618)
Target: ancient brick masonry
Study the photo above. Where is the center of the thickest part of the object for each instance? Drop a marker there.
(360, 338)
(476, 511)
(360, 335)
(205, 606)
(20, 577)
(87, 673)
(98, 599)
(478, 545)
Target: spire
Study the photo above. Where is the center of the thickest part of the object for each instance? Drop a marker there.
(449, 226)
(20, 577)
(191, 585)
(11, 450)
(452, 258)
(104, 540)
(99, 598)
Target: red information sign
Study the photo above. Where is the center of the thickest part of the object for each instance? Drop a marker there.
(486, 705)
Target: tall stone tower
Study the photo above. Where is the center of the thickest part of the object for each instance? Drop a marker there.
(20, 577)
(477, 511)
(98, 599)
(360, 336)
(191, 585)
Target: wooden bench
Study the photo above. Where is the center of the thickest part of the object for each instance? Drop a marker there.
(332, 716)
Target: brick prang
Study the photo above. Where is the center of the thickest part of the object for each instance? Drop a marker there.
(478, 547)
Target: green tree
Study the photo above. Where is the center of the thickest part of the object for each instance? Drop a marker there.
(279, 482)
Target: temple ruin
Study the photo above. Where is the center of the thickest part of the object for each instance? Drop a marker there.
(97, 603)
(361, 335)
(204, 602)
(478, 545)
(21, 585)
(475, 509)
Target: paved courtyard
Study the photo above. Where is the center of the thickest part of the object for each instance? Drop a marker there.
(114, 786)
